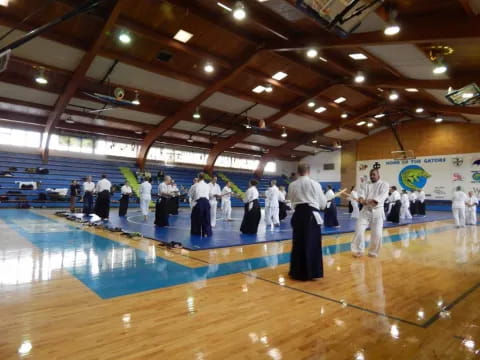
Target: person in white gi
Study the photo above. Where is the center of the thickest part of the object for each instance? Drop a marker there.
(459, 199)
(421, 202)
(272, 205)
(405, 209)
(226, 202)
(353, 197)
(371, 196)
(471, 210)
(215, 194)
(145, 192)
(392, 199)
(191, 192)
(413, 198)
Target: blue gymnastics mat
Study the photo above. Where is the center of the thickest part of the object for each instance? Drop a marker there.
(227, 234)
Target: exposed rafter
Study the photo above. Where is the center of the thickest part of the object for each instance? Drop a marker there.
(78, 76)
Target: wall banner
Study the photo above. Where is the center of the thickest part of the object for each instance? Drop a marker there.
(438, 176)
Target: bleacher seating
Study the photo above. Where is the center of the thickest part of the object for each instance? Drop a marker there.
(62, 170)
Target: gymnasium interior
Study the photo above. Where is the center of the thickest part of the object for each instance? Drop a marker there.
(239, 90)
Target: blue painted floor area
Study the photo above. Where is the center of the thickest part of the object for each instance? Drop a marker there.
(112, 269)
(227, 234)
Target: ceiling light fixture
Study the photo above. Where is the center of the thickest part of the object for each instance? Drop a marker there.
(268, 88)
(311, 53)
(284, 133)
(323, 59)
(379, 116)
(196, 114)
(437, 54)
(136, 101)
(359, 78)
(419, 110)
(258, 89)
(438, 119)
(358, 56)
(370, 124)
(439, 68)
(124, 37)
(224, 6)
(340, 100)
(392, 29)
(411, 90)
(183, 36)
(393, 96)
(314, 141)
(70, 120)
(4, 3)
(138, 132)
(311, 104)
(208, 68)
(40, 78)
(361, 123)
(320, 109)
(344, 115)
(239, 12)
(190, 140)
(279, 75)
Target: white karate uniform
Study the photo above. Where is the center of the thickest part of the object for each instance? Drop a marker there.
(145, 192)
(371, 216)
(392, 199)
(307, 191)
(354, 201)
(405, 209)
(458, 207)
(214, 190)
(201, 190)
(471, 211)
(88, 186)
(250, 195)
(330, 196)
(226, 203)
(126, 190)
(103, 185)
(191, 191)
(271, 206)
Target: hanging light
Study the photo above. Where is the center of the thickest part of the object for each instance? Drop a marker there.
(393, 96)
(136, 101)
(419, 110)
(284, 133)
(314, 141)
(40, 78)
(438, 119)
(440, 67)
(190, 139)
(311, 104)
(208, 68)
(196, 114)
(239, 12)
(70, 120)
(311, 53)
(124, 37)
(359, 78)
(344, 115)
(268, 88)
(392, 27)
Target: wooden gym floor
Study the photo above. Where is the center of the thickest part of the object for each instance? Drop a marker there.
(73, 293)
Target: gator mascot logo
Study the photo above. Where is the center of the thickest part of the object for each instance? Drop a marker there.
(413, 177)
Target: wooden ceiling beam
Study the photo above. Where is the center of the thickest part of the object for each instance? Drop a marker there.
(191, 105)
(78, 75)
(466, 5)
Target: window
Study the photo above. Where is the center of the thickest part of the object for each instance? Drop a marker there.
(271, 167)
(19, 137)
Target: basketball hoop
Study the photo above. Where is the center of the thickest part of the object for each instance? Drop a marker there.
(403, 155)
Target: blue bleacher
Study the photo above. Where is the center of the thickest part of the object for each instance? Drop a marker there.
(62, 170)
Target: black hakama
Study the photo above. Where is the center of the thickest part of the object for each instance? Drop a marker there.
(200, 218)
(394, 215)
(420, 207)
(350, 207)
(173, 204)
(87, 202)
(282, 210)
(161, 211)
(306, 262)
(102, 205)
(413, 207)
(331, 215)
(251, 218)
(122, 211)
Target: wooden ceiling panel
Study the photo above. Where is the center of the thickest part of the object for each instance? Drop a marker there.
(298, 76)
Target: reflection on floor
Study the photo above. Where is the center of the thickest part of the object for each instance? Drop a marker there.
(227, 234)
(418, 300)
